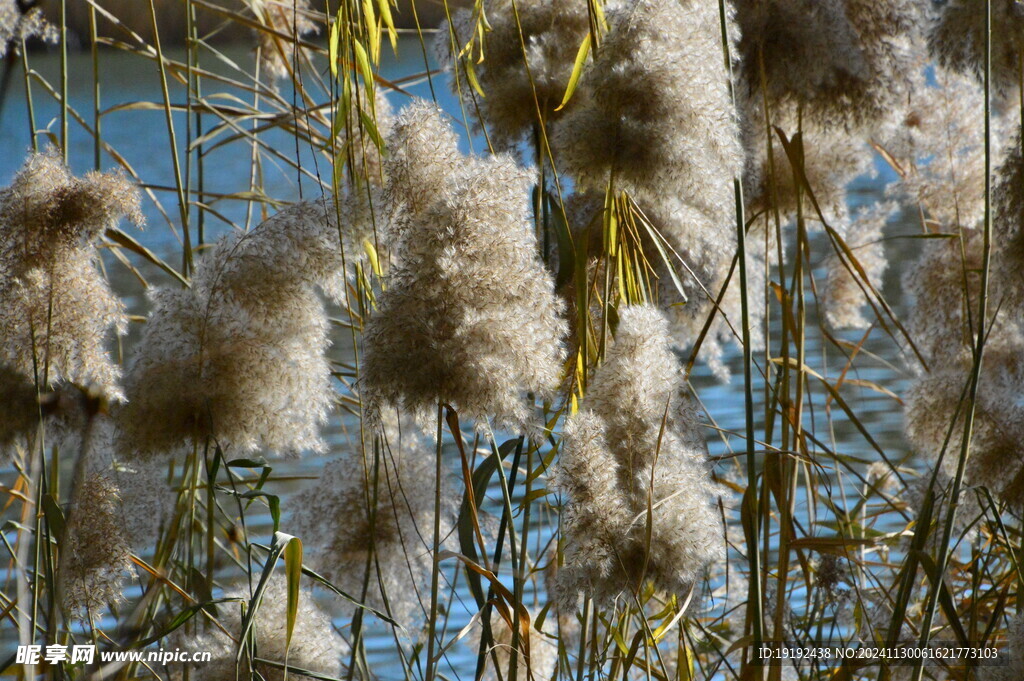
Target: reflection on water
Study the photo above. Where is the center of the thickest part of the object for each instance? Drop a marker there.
(140, 136)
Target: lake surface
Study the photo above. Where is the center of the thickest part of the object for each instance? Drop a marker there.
(141, 137)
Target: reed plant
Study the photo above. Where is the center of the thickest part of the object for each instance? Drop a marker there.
(584, 366)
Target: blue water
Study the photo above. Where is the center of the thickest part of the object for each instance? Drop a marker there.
(141, 137)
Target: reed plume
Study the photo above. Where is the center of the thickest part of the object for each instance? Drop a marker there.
(1008, 217)
(636, 464)
(95, 556)
(957, 40)
(150, 495)
(376, 513)
(845, 295)
(239, 355)
(839, 62)
(18, 25)
(654, 113)
(368, 123)
(528, 48)
(825, 76)
(940, 149)
(935, 412)
(542, 652)
(946, 284)
(283, 24)
(655, 119)
(828, 158)
(451, 326)
(315, 645)
(56, 308)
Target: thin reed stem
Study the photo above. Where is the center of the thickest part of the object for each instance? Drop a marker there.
(937, 580)
(751, 505)
(64, 141)
(183, 210)
(436, 564)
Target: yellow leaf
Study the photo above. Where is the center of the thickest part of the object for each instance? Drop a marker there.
(293, 571)
(364, 63)
(371, 253)
(370, 20)
(332, 46)
(385, 14)
(471, 76)
(577, 71)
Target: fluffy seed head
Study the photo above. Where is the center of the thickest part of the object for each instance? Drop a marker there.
(423, 154)
(315, 645)
(958, 40)
(832, 573)
(1008, 256)
(640, 385)
(539, 664)
(56, 309)
(95, 556)
(595, 515)
(636, 422)
(938, 143)
(654, 113)
(378, 509)
(453, 325)
(655, 109)
(284, 23)
(239, 356)
(846, 292)
(17, 25)
(841, 62)
(830, 158)
(517, 83)
(369, 121)
(944, 283)
(149, 495)
(935, 408)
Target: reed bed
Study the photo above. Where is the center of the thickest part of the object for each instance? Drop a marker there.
(399, 410)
